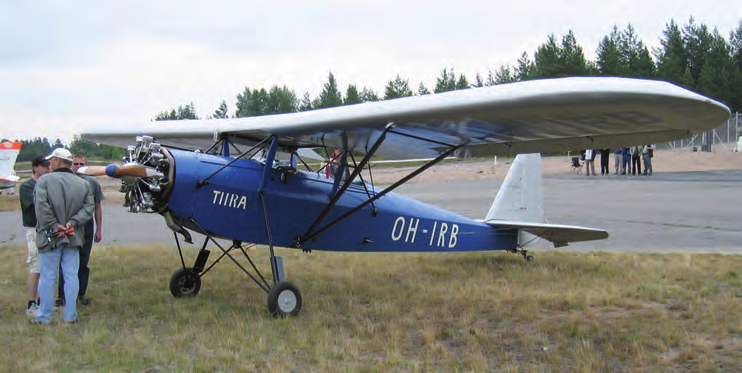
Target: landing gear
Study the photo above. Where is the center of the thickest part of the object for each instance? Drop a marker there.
(520, 250)
(185, 283)
(284, 299)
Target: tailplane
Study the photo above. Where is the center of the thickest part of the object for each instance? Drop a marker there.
(519, 205)
(8, 154)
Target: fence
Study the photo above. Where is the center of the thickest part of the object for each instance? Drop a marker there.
(725, 136)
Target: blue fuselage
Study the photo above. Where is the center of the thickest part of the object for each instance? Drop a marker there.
(229, 206)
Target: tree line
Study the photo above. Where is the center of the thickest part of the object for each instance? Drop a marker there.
(43, 146)
(692, 56)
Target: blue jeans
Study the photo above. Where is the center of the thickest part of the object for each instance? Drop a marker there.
(69, 257)
(83, 274)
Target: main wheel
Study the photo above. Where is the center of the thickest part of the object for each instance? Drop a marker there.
(529, 258)
(185, 283)
(284, 299)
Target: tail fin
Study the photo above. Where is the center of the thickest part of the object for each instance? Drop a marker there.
(519, 205)
(8, 153)
(519, 198)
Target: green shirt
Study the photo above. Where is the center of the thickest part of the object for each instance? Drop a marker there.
(27, 204)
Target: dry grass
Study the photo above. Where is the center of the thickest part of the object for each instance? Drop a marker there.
(10, 203)
(393, 313)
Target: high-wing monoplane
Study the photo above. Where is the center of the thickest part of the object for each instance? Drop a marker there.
(225, 178)
(8, 154)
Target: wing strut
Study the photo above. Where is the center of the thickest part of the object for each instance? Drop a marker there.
(257, 146)
(313, 232)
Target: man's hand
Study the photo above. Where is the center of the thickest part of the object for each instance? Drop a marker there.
(70, 230)
(98, 235)
(61, 230)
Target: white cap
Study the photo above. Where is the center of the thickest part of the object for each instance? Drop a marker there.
(61, 153)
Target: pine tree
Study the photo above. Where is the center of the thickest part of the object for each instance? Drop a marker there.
(182, 112)
(352, 96)
(397, 88)
(422, 90)
(463, 82)
(243, 103)
(478, 82)
(525, 69)
(687, 79)
(672, 58)
(446, 82)
(504, 75)
(221, 111)
(368, 94)
(305, 103)
(698, 42)
(572, 57)
(735, 46)
(635, 55)
(330, 95)
(715, 79)
(610, 60)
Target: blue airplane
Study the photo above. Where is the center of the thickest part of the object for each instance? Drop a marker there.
(226, 179)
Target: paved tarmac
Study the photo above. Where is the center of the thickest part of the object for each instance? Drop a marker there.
(678, 211)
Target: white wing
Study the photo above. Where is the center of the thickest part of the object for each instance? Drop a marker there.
(524, 117)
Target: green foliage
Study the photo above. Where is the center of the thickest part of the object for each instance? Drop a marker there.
(330, 95)
(446, 82)
(368, 94)
(610, 61)
(352, 96)
(422, 90)
(553, 59)
(504, 75)
(525, 68)
(221, 111)
(34, 148)
(182, 112)
(716, 75)
(306, 102)
(672, 58)
(397, 88)
(93, 150)
(698, 41)
(256, 102)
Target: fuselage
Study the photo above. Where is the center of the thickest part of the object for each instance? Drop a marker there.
(229, 206)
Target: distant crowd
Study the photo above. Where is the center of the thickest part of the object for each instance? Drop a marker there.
(626, 161)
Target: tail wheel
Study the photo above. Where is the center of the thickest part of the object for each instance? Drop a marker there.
(284, 299)
(185, 283)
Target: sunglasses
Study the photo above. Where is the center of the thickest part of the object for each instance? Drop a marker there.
(78, 164)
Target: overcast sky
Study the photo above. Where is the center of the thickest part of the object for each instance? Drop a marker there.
(71, 64)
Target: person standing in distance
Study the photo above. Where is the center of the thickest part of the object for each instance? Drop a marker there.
(94, 225)
(64, 203)
(28, 212)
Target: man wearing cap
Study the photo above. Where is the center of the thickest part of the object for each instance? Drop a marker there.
(64, 203)
(26, 191)
(93, 232)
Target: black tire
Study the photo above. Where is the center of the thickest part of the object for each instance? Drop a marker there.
(185, 283)
(529, 258)
(284, 299)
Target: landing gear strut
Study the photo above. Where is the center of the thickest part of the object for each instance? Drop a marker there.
(520, 250)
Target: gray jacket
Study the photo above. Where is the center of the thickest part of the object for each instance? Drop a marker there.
(61, 197)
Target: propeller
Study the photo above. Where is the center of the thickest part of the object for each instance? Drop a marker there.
(118, 172)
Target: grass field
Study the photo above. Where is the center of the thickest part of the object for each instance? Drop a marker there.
(450, 312)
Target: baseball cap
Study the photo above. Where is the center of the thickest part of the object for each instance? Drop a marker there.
(61, 153)
(38, 161)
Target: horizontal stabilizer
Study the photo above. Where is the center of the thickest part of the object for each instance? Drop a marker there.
(558, 234)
